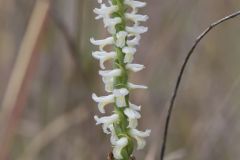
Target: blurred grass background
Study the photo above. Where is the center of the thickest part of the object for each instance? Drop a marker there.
(57, 119)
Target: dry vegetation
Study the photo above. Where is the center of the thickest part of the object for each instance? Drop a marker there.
(48, 75)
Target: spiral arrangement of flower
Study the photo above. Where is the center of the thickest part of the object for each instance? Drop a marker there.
(122, 21)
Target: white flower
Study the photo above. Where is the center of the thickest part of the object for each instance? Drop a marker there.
(108, 78)
(102, 43)
(104, 11)
(135, 67)
(129, 52)
(136, 29)
(134, 106)
(108, 84)
(132, 115)
(135, 86)
(121, 39)
(139, 136)
(114, 136)
(118, 146)
(136, 18)
(110, 23)
(110, 73)
(106, 122)
(103, 56)
(120, 96)
(135, 4)
(134, 41)
(103, 101)
(111, 29)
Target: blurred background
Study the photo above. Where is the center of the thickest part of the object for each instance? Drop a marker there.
(48, 76)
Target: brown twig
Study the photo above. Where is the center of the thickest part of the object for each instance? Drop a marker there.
(110, 156)
(71, 42)
(74, 48)
(17, 90)
(180, 75)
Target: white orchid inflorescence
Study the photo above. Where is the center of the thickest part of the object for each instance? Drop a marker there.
(124, 120)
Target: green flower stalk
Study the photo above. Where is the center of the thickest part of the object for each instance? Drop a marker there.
(121, 125)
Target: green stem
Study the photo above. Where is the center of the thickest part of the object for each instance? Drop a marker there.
(121, 127)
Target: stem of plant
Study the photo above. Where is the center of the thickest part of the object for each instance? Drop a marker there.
(121, 127)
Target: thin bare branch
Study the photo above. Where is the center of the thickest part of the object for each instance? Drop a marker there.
(180, 75)
(74, 48)
(71, 42)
